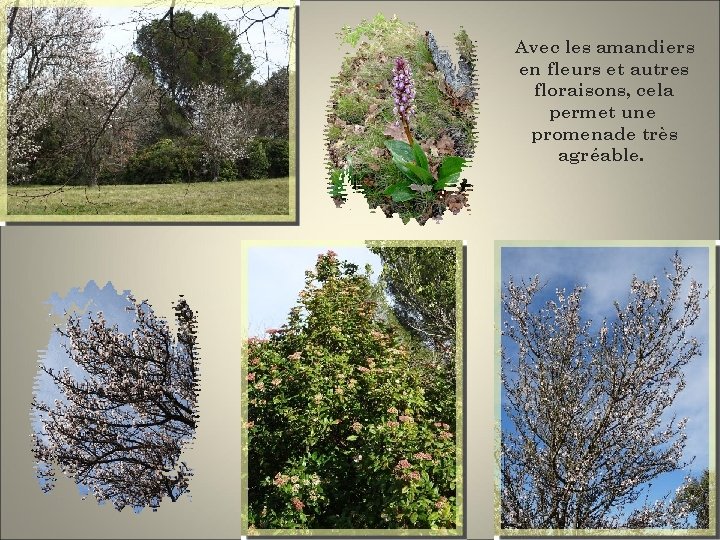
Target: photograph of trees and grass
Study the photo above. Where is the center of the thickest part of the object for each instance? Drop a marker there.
(353, 414)
(157, 110)
(605, 394)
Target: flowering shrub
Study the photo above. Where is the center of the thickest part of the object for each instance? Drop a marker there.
(341, 434)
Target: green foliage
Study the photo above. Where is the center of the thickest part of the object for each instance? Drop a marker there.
(256, 164)
(165, 162)
(342, 433)
(422, 284)
(277, 151)
(273, 99)
(377, 28)
(419, 179)
(695, 496)
(351, 109)
(183, 52)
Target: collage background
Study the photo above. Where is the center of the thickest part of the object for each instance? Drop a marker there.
(520, 192)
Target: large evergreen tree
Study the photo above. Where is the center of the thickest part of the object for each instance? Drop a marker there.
(422, 283)
(184, 52)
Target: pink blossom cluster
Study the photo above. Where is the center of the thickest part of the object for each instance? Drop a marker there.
(403, 89)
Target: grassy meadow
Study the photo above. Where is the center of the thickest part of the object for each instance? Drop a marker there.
(269, 197)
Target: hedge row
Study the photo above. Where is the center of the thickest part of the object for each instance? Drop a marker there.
(170, 161)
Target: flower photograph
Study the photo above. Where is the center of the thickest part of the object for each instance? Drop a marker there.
(401, 120)
(354, 417)
(160, 109)
(115, 398)
(606, 390)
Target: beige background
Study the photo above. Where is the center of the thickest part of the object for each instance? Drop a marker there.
(520, 192)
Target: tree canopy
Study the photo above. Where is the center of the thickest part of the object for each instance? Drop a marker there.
(583, 427)
(78, 115)
(422, 282)
(694, 496)
(119, 427)
(184, 51)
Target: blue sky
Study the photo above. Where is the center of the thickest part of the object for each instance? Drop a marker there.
(606, 272)
(80, 301)
(124, 21)
(276, 274)
(83, 301)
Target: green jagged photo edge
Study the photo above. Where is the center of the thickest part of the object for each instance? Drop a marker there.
(338, 188)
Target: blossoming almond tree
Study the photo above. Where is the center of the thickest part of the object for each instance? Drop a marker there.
(584, 429)
(46, 45)
(118, 429)
(66, 101)
(108, 112)
(222, 126)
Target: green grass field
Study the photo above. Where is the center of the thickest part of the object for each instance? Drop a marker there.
(242, 198)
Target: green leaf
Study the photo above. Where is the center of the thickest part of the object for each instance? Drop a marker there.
(402, 167)
(352, 437)
(420, 157)
(449, 171)
(424, 176)
(336, 183)
(400, 150)
(400, 192)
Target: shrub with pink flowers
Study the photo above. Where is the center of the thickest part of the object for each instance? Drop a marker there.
(350, 438)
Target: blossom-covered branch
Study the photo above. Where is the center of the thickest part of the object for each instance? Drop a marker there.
(119, 428)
